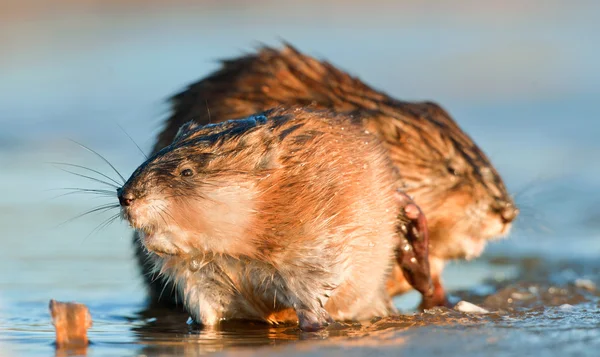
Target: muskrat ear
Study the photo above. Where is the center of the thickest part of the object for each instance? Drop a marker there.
(185, 130)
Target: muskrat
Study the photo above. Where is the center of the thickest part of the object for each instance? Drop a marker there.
(450, 178)
(291, 208)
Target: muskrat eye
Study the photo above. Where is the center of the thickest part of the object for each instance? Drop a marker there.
(452, 170)
(187, 172)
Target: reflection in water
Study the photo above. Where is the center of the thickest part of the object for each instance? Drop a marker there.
(68, 352)
(171, 338)
(193, 341)
(547, 297)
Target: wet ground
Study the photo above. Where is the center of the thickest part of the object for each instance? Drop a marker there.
(521, 78)
(547, 310)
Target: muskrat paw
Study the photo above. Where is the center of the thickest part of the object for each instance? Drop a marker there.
(413, 249)
(437, 298)
(310, 321)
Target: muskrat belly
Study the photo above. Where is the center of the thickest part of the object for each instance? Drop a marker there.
(233, 289)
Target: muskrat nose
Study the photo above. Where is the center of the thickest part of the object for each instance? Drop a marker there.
(126, 198)
(508, 212)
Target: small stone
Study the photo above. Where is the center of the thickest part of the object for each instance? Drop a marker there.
(465, 306)
(566, 307)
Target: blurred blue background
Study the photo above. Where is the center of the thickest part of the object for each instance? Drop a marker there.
(522, 78)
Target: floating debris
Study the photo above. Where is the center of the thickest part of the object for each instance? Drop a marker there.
(71, 321)
(465, 306)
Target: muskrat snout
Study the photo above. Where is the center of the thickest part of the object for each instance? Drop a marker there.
(507, 210)
(125, 198)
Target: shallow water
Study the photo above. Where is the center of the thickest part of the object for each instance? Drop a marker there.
(521, 78)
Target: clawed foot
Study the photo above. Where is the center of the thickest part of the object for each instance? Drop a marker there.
(413, 251)
(311, 322)
(438, 298)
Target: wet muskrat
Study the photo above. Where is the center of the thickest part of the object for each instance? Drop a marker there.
(449, 177)
(289, 209)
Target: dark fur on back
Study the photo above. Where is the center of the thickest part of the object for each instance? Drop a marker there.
(272, 77)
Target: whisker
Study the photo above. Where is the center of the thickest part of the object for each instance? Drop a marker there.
(163, 210)
(530, 186)
(533, 221)
(99, 195)
(160, 215)
(532, 227)
(101, 208)
(133, 141)
(207, 110)
(86, 168)
(540, 186)
(101, 157)
(103, 224)
(531, 215)
(114, 193)
(88, 177)
(185, 203)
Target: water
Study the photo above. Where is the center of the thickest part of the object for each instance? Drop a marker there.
(521, 78)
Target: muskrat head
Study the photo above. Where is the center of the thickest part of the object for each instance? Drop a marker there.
(451, 179)
(189, 197)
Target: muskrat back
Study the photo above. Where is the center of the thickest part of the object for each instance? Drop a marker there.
(287, 209)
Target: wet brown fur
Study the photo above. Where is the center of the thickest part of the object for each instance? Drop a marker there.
(449, 177)
(295, 210)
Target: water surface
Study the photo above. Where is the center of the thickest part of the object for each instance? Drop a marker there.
(521, 78)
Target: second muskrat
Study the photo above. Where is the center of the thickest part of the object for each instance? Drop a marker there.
(449, 177)
(248, 218)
